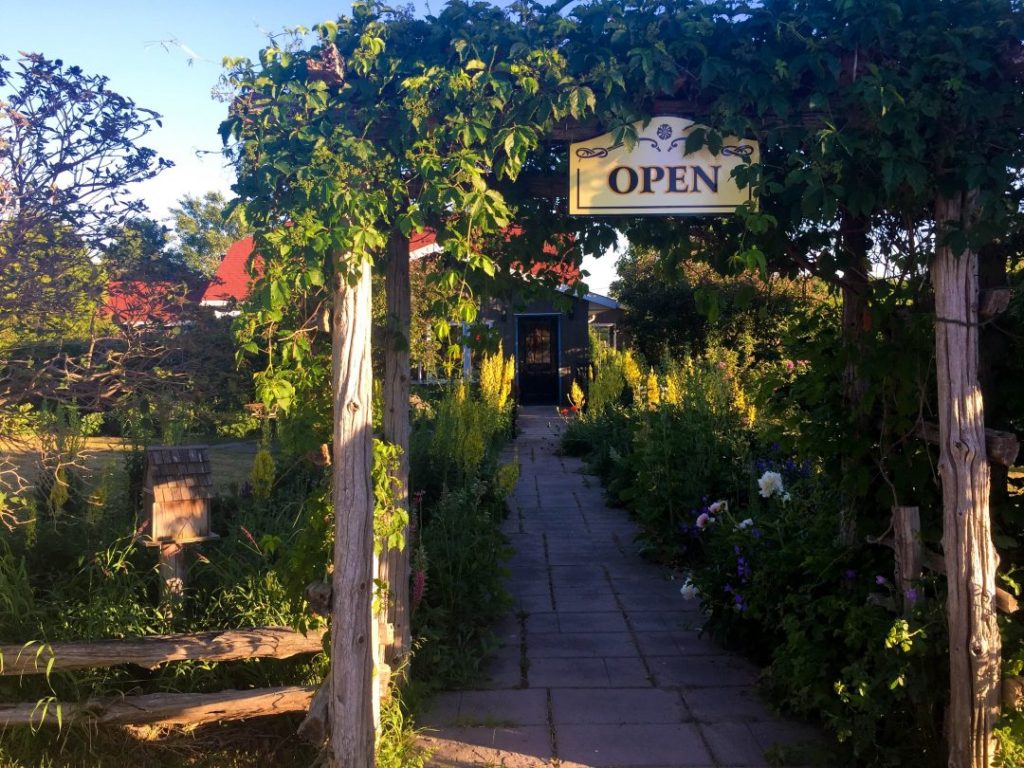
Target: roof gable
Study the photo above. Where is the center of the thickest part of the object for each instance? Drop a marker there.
(232, 280)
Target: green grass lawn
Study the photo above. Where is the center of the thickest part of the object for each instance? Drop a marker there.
(231, 461)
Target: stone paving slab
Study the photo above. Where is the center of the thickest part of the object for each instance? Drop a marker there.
(602, 663)
(571, 706)
(651, 744)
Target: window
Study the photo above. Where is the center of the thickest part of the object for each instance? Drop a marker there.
(538, 346)
(605, 333)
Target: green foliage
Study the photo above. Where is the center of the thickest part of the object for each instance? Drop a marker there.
(397, 746)
(606, 381)
(661, 457)
(458, 589)
(138, 251)
(86, 576)
(779, 585)
(386, 122)
(49, 112)
(772, 576)
(463, 431)
(659, 310)
(465, 594)
(263, 473)
(389, 518)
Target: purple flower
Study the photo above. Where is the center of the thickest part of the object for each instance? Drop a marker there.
(911, 595)
(881, 581)
(755, 532)
(850, 574)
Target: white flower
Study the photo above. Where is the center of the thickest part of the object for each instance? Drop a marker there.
(689, 591)
(786, 498)
(718, 506)
(702, 520)
(742, 526)
(770, 484)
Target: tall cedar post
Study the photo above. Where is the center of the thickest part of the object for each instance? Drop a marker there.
(970, 556)
(906, 527)
(853, 232)
(351, 710)
(394, 563)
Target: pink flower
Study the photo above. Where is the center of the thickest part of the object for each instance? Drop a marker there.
(419, 587)
(790, 365)
(702, 520)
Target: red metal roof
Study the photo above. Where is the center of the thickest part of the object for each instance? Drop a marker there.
(422, 239)
(137, 302)
(232, 279)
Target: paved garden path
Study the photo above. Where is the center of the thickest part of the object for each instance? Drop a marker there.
(602, 662)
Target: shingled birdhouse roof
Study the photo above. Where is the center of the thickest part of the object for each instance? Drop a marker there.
(179, 473)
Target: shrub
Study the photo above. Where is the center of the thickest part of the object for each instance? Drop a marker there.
(464, 592)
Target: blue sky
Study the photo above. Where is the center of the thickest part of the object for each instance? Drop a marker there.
(145, 48)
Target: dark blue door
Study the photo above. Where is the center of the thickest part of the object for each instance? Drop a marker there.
(538, 359)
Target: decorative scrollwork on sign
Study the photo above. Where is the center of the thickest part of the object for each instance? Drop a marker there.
(652, 142)
(676, 142)
(738, 150)
(589, 153)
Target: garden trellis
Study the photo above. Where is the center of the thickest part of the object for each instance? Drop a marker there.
(902, 112)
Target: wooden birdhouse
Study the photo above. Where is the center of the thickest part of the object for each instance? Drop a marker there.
(177, 490)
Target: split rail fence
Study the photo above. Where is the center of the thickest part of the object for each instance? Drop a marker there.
(164, 709)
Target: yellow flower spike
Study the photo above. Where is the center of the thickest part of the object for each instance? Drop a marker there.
(672, 395)
(631, 372)
(576, 397)
(653, 390)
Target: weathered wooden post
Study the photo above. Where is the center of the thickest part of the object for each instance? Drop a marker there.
(394, 563)
(974, 643)
(906, 527)
(352, 647)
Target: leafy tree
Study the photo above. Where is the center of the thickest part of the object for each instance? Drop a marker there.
(203, 231)
(660, 312)
(139, 251)
(68, 155)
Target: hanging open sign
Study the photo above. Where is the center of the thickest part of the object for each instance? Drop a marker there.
(656, 176)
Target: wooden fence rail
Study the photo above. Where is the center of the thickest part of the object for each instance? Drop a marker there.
(911, 556)
(151, 652)
(166, 709)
